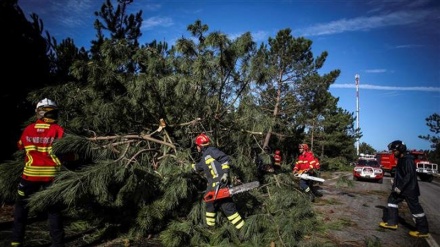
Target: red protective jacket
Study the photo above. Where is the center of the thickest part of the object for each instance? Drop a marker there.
(41, 164)
(306, 161)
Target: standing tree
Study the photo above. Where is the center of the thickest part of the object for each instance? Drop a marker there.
(132, 111)
(24, 59)
(433, 122)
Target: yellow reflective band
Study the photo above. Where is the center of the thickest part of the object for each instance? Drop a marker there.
(42, 126)
(231, 217)
(44, 149)
(41, 171)
(240, 225)
(236, 220)
(21, 193)
(39, 149)
(209, 161)
(210, 214)
(30, 148)
(225, 166)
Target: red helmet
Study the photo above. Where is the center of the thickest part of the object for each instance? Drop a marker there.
(277, 151)
(304, 146)
(202, 140)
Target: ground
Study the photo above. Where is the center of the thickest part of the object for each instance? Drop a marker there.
(350, 212)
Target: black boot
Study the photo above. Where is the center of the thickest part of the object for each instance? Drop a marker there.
(310, 194)
(316, 192)
(422, 224)
(311, 197)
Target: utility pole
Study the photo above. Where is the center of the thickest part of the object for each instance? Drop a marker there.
(356, 77)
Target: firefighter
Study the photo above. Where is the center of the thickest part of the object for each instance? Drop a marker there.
(306, 163)
(265, 161)
(41, 167)
(278, 159)
(405, 187)
(214, 163)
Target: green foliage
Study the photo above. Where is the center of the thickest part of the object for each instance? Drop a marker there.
(433, 122)
(372, 242)
(10, 172)
(335, 164)
(364, 148)
(131, 112)
(344, 182)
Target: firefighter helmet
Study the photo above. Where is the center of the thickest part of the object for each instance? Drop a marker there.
(202, 140)
(46, 103)
(303, 146)
(47, 110)
(277, 152)
(397, 145)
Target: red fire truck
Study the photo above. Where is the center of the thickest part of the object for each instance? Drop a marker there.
(425, 169)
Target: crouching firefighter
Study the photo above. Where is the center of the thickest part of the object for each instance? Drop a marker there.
(215, 165)
(306, 163)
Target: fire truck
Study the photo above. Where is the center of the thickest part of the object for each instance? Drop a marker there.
(425, 169)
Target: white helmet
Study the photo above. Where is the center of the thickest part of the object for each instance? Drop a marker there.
(47, 110)
(46, 103)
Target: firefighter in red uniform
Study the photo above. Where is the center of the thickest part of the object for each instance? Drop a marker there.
(278, 159)
(306, 163)
(215, 166)
(40, 168)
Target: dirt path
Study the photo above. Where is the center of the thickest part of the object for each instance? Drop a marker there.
(352, 213)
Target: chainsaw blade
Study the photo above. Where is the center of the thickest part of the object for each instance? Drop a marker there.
(308, 177)
(244, 187)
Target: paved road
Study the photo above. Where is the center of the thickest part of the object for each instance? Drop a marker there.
(430, 200)
(366, 206)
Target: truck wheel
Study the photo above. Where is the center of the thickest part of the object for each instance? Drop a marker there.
(430, 178)
(426, 177)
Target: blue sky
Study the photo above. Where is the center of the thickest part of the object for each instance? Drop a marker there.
(394, 46)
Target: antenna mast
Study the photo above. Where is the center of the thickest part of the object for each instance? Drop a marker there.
(356, 77)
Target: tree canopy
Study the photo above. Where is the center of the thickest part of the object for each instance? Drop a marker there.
(131, 111)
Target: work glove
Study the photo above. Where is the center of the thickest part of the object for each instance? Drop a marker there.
(397, 190)
(224, 178)
(303, 171)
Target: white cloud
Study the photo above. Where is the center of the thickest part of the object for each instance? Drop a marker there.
(260, 36)
(375, 70)
(366, 23)
(375, 87)
(156, 21)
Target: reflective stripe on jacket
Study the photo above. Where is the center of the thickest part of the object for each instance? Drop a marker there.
(214, 163)
(277, 159)
(41, 164)
(306, 161)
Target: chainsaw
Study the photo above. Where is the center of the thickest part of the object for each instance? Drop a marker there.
(308, 177)
(224, 192)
